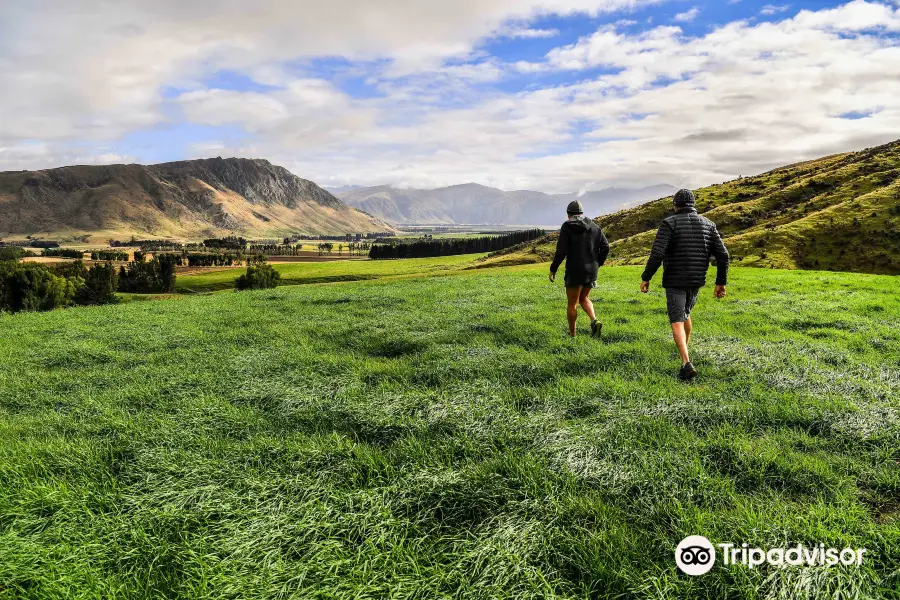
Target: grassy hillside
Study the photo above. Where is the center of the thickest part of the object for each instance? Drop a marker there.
(439, 438)
(836, 213)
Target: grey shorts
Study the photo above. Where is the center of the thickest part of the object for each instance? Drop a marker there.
(680, 302)
(580, 282)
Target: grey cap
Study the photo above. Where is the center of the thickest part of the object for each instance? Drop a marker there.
(684, 198)
(575, 208)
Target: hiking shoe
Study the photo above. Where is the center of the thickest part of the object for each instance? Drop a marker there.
(596, 328)
(687, 372)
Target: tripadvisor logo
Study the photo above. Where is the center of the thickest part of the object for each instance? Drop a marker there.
(695, 555)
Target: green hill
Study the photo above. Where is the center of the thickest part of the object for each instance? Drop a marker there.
(840, 212)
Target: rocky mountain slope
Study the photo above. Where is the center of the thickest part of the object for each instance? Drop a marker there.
(186, 199)
(477, 204)
(840, 212)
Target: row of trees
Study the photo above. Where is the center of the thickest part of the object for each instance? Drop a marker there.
(357, 248)
(226, 243)
(348, 237)
(108, 255)
(14, 253)
(42, 244)
(275, 249)
(422, 248)
(32, 286)
(156, 276)
(63, 253)
(226, 259)
(146, 245)
(353, 248)
(31, 243)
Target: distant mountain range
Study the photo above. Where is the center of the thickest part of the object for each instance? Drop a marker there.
(840, 213)
(477, 204)
(185, 200)
(343, 189)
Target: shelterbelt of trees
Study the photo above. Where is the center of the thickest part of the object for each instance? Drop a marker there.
(424, 248)
(31, 286)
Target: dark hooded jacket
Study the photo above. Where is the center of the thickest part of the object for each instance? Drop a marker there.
(684, 243)
(583, 246)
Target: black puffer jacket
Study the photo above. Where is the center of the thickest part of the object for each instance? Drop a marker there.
(585, 248)
(683, 245)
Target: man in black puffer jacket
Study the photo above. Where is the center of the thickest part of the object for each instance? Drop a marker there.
(684, 243)
(585, 248)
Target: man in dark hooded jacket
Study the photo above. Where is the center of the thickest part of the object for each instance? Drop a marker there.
(585, 248)
(684, 243)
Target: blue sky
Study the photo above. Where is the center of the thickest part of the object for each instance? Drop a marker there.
(555, 95)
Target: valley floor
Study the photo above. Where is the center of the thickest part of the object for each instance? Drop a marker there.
(331, 271)
(438, 437)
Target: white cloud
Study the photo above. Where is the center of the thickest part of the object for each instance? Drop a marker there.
(687, 110)
(97, 69)
(527, 33)
(856, 16)
(771, 9)
(24, 156)
(688, 16)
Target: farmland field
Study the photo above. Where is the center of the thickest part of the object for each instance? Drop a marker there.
(439, 437)
(328, 272)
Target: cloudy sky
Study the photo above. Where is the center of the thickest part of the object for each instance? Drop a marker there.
(554, 95)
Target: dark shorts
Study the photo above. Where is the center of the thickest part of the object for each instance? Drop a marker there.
(680, 302)
(581, 282)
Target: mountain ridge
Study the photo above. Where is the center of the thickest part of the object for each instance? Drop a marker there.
(181, 199)
(473, 203)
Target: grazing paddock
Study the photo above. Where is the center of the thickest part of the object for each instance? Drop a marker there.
(329, 271)
(438, 437)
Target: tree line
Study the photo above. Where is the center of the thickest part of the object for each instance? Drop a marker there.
(225, 259)
(145, 244)
(348, 237)
(155, 276)
(63, 253)
(33, 286)
(108, 255)
(229, 243)
(423, 248)
(14, 253)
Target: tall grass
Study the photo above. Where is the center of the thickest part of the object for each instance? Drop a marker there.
(440, 438)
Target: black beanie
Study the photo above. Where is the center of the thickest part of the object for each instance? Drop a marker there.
(575, 208)
(684, 198)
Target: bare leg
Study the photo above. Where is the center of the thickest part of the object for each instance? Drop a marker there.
(572, 295)
(678, 332)
(687, 332)
(585, 300)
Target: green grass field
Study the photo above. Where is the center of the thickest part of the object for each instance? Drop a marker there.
(328, 272)
(440, 438)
